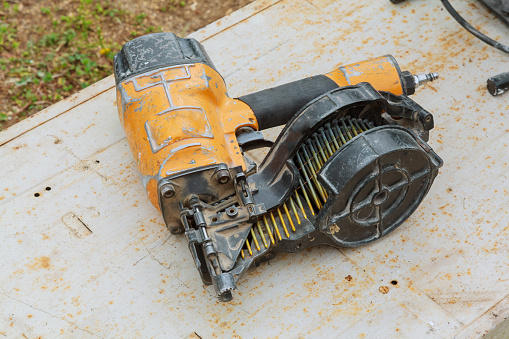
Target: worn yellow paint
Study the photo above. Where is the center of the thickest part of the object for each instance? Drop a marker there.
(179, 118)
(382, 73)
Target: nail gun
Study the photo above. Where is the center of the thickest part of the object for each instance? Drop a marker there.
(350, 165)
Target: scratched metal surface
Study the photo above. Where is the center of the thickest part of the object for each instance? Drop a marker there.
(90, 256)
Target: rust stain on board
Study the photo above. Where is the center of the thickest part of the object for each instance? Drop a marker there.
(41, 262)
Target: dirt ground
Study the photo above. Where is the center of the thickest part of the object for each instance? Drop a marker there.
(51, 49)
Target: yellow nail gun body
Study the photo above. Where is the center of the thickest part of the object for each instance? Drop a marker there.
(350, 165)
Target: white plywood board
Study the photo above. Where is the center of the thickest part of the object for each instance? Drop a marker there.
(91, 257)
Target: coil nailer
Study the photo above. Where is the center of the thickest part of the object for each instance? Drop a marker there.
(350, 165)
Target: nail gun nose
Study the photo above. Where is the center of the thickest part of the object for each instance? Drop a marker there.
(421, 79)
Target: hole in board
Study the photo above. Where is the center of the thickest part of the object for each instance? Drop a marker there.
(214, 219)
(97, 161)
(37, 195)
(48, 188)
(394, 282)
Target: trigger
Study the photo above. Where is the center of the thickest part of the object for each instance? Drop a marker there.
(252, 140)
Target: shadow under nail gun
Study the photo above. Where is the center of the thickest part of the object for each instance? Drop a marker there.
(350, 165)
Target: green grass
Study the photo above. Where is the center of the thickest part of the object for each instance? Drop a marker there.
(66, 52)
(51, 49)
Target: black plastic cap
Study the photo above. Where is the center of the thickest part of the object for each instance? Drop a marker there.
(498, 84)
(374, 183)
(158, 50)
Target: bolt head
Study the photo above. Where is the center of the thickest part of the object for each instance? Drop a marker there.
(168, 191)
(232, 211)
(223, 176)
(176, 230)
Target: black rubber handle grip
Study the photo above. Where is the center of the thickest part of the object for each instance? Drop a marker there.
(276, 106)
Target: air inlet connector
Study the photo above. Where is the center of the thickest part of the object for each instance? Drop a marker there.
(411, 82)
(421, 79)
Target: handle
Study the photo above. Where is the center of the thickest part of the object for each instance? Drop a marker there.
(276, 106)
